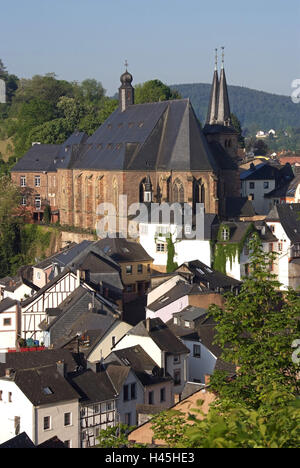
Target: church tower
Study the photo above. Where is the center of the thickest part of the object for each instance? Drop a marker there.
(213, 102)
(218, 124)
(126, 90)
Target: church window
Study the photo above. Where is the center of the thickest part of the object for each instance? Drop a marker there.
(178, 192)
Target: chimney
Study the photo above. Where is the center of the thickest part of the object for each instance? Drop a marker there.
(61, 368)
(148, 324)
(9, 373)
(207, 379)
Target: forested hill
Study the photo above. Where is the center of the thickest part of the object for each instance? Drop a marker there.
(256, 110)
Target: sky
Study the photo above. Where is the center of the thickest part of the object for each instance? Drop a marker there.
(171, 40)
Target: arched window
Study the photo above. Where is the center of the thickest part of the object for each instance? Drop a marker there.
(199, 192)
(178, 191)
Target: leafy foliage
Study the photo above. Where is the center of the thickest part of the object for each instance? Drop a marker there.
(154, 91)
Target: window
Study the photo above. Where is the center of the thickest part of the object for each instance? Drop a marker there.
(197, 351)
(175, 321)
(187, 324)
(67, 443)
(128, 419)
(176, 359)
(252, 185)
(177, 377)
(67, 419)
(125, 393)
(1, 392)
(225, 234)
(162, 394)
(113, 341)
(23, 181)
(151, 398)
(133, 391)
(24, 201)
(37, 202)
(37, 181)
(38, 275)
(47, 423)
(140, 268)
(7, 322)
(129, 269)
(160, 247)
(96, 409)
(266, 185)
(9, 397)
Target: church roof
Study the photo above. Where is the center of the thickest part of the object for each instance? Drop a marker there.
(158, 136)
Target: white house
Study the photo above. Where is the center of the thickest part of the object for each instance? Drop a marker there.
(163, 346)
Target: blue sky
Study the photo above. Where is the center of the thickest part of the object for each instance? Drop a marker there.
(172, 40)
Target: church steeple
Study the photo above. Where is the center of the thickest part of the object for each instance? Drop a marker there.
(223, 116)
(126, 90)
(213, 103)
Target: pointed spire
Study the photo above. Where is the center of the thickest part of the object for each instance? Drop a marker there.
(223, 116)
(213, 103)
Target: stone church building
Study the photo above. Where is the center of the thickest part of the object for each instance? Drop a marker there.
(150, 152)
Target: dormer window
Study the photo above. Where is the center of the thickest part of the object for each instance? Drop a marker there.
(225, 234)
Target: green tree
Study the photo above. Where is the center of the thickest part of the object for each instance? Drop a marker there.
(256, 330)
(154, 91)
(116, 437)
(237, 126)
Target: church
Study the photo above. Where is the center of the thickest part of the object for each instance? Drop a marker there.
(155, 152)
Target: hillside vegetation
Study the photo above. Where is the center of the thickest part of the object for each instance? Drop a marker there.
(256, 110)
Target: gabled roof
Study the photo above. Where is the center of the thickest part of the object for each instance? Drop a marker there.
(6, 304)
(286, 190)
(212, 279)
(20, 441)
(239, 208)
(39, 158)
(123, 250)
(160, 333)
(93, 387)
(44, 385)
(289, 217)
(181, 289)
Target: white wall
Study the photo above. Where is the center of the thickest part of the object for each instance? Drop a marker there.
(8, 333)
(124, 407)
(166, 313)
(260, 203)
(104, 347)
(199, 367)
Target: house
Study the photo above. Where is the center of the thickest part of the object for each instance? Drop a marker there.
(166, 350)
(187, 238)
(9, 323)
(47, 269)
(262, 179)
(68, 400)
(156, 383)
(82, 313)
(144, 433)
(17, 288)
(178, 297)
(135, 264)
(231, 250)
(284, 222)
(37, 400)
(97, 404)
(288, 193)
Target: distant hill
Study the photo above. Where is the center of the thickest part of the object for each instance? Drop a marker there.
(257, 110)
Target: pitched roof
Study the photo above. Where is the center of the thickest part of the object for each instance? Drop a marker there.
(123, 250)
(7, 303)
(20, 441)
(34, 359)
(44, 385)
(286, 190)
(92, 386)
(238, 208)
(160, 333)
(181, 289)
(161, 136)
(289, 217)
(212, 279)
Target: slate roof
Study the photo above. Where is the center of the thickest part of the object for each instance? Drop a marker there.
(181, 289)
(160, 136)
(118, 375)
(39, 158)
(266, 171)
(287, 190)
(7, 303)
(93, 387)
(140, 362)
(64, 256)
(212, 279)
(76, 317)
(122, 250)
(161, 334)
(289, 217)
(238, 208)
(20, 441)
(34, 359)
(191, 313)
